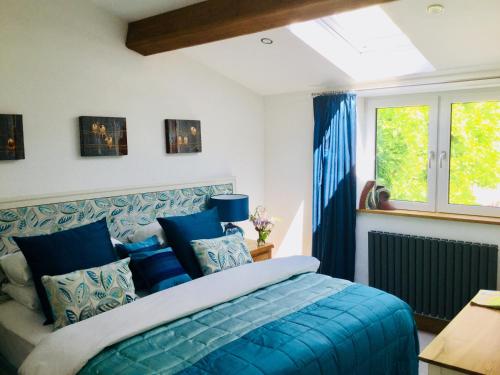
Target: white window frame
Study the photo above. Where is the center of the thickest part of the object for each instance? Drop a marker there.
(408, 101)
(443, 186)
(439, 145)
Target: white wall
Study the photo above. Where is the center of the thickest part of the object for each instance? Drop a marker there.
(62, 59)
(288, 185)
(288, 171)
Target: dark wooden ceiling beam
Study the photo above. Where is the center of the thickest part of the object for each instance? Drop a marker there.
(214, 20)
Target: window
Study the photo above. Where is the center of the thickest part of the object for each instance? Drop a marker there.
(474, 154)
(365, 43)
(439, 153)
(402, 147)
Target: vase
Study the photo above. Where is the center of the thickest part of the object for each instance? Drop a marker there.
(263, 234)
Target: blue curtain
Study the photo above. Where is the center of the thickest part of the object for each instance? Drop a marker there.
(334, 186)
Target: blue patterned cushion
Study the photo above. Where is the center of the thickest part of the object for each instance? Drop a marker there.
(153, 268)
(180, 230)
(221, 253)
(66, 251)
(82, 294)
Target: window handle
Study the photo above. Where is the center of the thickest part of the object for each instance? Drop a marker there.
(442, 156)
(432, 156)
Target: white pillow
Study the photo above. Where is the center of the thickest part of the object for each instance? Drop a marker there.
(153, 229)
(115, 242)
(25, 295)
(16, 268)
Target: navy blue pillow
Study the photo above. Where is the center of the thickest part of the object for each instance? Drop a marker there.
(181, 230)
(137, 251)
(66, 251)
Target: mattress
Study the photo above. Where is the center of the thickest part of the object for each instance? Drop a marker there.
(21, 329)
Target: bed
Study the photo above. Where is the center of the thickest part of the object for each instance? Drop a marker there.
(21, 329)
(272, 317)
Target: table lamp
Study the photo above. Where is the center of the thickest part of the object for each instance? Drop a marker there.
(231, 208)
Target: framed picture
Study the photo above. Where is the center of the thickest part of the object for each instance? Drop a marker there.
(103, 136)
(183, 136)
(11, 137)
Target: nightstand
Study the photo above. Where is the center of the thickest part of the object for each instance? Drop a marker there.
(259, 253)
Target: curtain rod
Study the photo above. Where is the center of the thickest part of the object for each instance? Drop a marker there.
(336, 92)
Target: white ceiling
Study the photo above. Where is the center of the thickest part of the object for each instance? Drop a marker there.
(287, 65)
(463, 39)
(466, 34)
(133, 10)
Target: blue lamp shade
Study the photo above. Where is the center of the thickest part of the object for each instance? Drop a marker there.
(231, 207)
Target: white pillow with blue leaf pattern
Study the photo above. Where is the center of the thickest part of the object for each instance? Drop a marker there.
(82, 294)
(221, 253)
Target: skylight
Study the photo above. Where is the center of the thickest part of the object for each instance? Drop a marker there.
(366, 44)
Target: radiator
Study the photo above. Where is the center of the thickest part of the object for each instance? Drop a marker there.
(436, 277)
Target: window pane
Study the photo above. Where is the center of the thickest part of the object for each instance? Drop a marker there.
(475, 154)
(402, 148)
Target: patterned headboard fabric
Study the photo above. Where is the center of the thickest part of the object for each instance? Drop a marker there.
(125, 212)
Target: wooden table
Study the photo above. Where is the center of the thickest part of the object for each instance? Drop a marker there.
(470, 344)
(259, 253)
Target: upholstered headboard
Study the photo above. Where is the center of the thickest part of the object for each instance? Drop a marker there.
(125, 210)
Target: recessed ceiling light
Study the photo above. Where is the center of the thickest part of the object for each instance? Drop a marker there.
(435, 9)
(266, 41)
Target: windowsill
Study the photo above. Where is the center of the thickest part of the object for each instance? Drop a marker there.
(436, 216)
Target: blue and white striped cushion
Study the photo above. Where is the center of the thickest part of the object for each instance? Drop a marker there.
(162, 270)
(137, 251)
(154, 268)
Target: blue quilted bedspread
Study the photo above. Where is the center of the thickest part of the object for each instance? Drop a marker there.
(309, 324)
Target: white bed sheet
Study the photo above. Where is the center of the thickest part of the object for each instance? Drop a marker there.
(21, 329)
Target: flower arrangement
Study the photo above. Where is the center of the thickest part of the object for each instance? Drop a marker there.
(262, 224)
